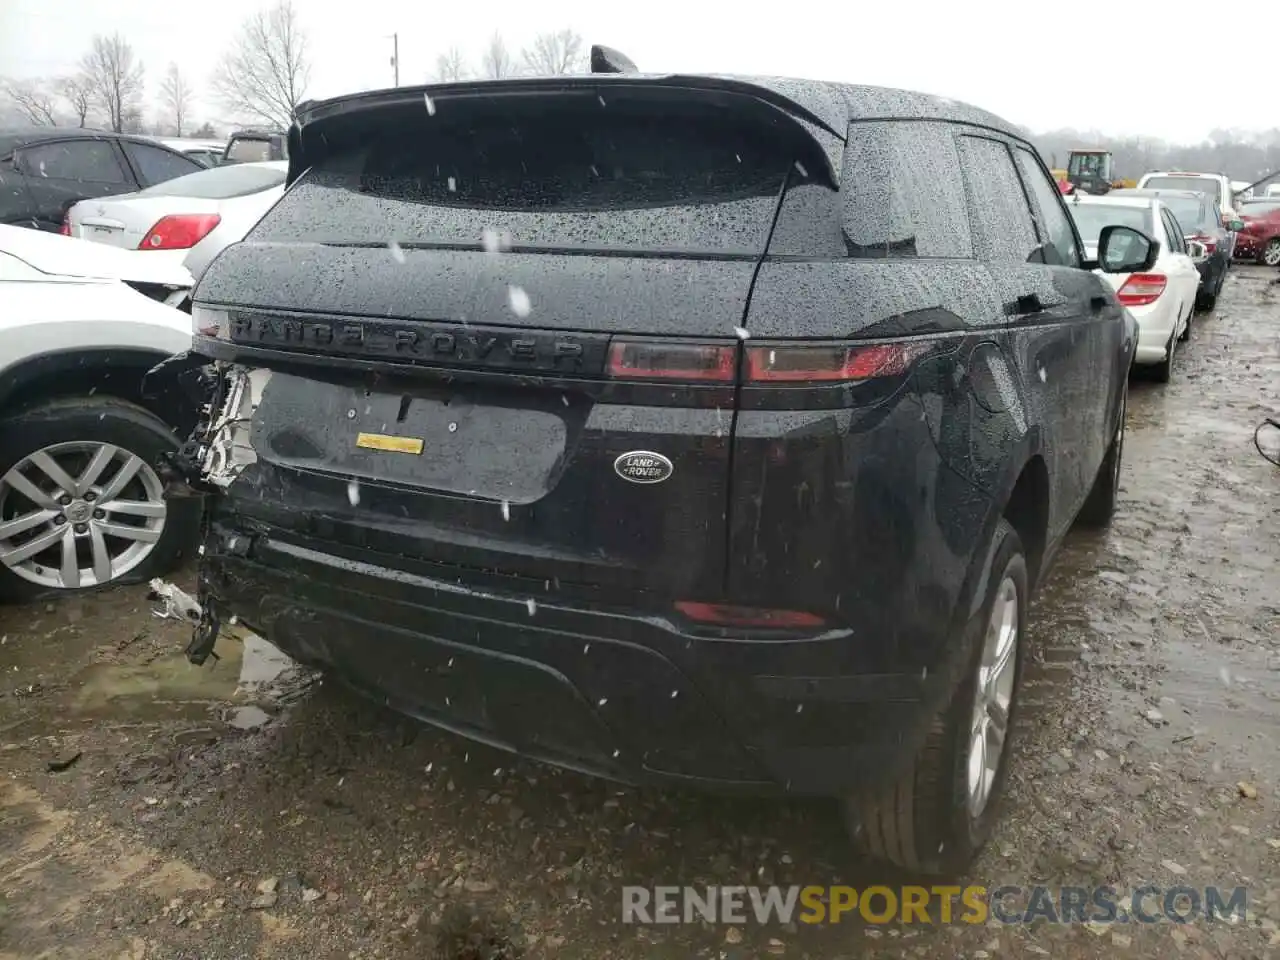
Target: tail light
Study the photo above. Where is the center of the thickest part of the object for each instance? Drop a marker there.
(65, 229)
(1141, 289)
(643, 360)
(778, 364)
(724, 615)
(1210, 244)
(818, 363)
(179, 231)
(208, 322)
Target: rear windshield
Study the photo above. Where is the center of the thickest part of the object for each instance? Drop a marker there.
(1192, 215)
(219, 183)
(581, 176)
(1090, 218)
(249, 151)
(1207, 185)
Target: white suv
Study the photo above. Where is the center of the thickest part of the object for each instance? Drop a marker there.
(82, 502)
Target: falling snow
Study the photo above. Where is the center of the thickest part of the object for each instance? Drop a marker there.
(495, 242)
(518, 301)
(742, 332)
(453, 185)
(532, 606)
(506, 510)
(353, 493)
(431, 107)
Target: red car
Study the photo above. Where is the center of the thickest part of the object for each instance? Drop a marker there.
(1260, 238)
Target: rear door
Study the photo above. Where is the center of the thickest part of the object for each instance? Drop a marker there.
(1048, 317)
(62, 172)
(542, 300)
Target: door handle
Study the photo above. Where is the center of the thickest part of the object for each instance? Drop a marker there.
(1026, 304)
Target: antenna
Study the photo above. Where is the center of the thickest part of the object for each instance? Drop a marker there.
(608, 60)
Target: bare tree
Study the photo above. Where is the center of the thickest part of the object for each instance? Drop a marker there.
(34, 99)
(77, 91)
(176, 96)
(555, 53)
(114, 74)
(496, 61)
(451, 66)
(266, 73)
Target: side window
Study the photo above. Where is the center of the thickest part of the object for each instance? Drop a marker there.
(1002, 222)
(1053, 223)
(94, 161)
(901, 192)
(155, 165)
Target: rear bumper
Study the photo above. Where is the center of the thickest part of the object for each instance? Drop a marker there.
(1155, 330)
(628, 696)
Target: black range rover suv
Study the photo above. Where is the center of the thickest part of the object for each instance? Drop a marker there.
(685, 429)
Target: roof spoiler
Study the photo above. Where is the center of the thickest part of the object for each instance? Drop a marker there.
(608, 60)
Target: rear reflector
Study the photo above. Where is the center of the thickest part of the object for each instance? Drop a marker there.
(717, 614)
(827, 363)
(639, 360)
(1141, 289)
(180, 231)
(1210, 244)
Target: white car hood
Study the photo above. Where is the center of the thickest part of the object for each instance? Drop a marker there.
(69, 257)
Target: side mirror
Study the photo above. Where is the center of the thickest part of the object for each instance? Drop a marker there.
(1235, 226)
(1197, 250)
(1125, 250)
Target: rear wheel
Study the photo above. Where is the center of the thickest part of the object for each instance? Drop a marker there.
(81, 504)
(1271, 253)
(1186, 330)
(937, 817)
(1163, 371)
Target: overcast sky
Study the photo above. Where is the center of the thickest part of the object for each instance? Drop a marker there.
(1013, 57)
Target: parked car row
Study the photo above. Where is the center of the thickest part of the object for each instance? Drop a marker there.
(48, 169)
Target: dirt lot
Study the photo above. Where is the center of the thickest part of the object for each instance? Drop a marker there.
(245, 810)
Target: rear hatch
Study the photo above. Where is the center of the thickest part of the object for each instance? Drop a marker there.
(505, 329)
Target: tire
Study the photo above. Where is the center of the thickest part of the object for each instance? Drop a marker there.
(74, 433)
(1163, 371)
(1186, 331)
(1207, 301)
(1100, 506)
(925, 823)
(1270, 255)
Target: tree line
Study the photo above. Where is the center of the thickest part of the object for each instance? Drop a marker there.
(266, 72)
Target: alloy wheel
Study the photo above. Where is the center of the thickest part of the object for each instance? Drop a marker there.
(993, 696)
(79, 514)
(1271, 255)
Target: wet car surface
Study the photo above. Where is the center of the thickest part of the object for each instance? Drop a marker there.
(281, 817)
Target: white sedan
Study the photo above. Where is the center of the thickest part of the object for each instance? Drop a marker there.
(81, 498)
(189, 219)
(1163, 299)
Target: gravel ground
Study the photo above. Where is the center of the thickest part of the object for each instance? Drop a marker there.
(246, 810)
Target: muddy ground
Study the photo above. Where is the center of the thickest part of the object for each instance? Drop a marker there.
(246, 810)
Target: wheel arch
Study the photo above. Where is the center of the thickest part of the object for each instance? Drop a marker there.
(110, 371)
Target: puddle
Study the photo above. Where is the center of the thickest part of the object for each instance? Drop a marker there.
(105, 657)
